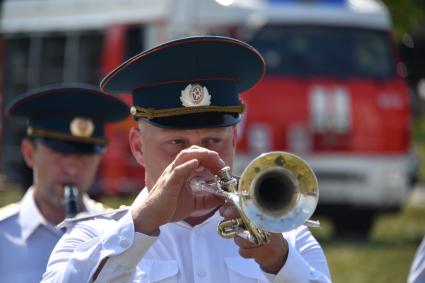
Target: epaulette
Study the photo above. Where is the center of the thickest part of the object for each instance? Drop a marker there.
(114, 214)
(9, 210)
(96, 207)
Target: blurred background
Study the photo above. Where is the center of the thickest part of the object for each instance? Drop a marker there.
(344, 89)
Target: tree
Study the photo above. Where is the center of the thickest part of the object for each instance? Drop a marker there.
(407, 15)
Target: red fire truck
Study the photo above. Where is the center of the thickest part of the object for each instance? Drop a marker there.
(334, 91)
(335, 94)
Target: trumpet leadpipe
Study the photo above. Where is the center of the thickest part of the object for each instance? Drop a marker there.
(197, 184)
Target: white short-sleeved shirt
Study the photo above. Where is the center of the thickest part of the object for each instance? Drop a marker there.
(27, 239)
(181, 253)
(417, 270)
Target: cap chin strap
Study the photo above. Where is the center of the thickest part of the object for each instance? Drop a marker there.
(151, 113)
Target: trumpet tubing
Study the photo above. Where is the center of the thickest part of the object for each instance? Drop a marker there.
(276, 192)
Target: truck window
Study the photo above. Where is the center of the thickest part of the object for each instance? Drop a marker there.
(305, 51)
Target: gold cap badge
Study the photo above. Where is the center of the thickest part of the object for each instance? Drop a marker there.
(81, 127)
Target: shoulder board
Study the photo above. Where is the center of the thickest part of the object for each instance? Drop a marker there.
(97, 207)
(113, 214)
(9, 210)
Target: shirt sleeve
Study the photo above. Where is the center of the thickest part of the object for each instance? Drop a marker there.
(417, 270)
(306, 260)
(80, 251)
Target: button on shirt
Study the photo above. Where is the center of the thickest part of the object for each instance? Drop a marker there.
(26, 241)
(181, 253)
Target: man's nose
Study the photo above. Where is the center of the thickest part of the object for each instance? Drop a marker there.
(71, 164)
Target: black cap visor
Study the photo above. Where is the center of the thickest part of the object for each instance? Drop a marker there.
(196, 121)
(68, 147)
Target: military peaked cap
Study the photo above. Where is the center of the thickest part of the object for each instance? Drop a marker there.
(69, 117)
(192, 82)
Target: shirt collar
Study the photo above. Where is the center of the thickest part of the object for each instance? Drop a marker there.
(213, 219)
(30, 216)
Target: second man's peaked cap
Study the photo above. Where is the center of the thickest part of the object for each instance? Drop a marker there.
(68, 117)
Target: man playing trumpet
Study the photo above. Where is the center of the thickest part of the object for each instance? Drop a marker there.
(186, 100)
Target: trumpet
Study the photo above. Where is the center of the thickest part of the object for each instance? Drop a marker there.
(70, 201)
(276, 192)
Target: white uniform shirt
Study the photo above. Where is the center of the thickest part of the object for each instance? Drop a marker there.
(417, 270)
(26, 240)
(180, 253)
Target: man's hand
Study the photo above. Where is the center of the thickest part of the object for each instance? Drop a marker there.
(271, 257)
(171, 199)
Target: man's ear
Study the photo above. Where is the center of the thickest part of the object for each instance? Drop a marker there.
(27, 149)
(135, 140)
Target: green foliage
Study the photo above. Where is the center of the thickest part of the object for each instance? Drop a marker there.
(419, 129)
(9, 196)
(406, 14)
(419, 143)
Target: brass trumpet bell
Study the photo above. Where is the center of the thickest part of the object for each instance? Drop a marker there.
(276, 192)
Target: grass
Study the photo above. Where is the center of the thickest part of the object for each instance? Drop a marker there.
(385, 257)
(368, 262)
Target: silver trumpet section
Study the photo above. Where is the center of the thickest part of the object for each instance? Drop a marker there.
(71, 205)
(276, 192)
